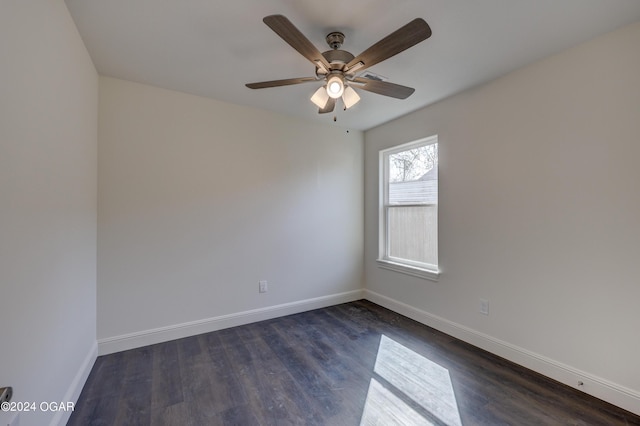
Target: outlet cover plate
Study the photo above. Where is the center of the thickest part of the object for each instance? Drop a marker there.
(484, 306)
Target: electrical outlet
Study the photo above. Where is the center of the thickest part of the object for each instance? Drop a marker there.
(484, 306)
(263, 286)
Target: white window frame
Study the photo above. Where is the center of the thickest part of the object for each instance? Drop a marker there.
(417, 269)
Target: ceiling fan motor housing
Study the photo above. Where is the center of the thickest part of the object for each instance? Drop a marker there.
(337, 58)
(335, 39)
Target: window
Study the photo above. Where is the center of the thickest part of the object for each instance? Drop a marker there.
(408, 234)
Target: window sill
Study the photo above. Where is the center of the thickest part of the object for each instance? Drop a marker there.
(409, 270)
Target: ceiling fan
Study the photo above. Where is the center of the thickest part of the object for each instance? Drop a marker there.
(338, 69)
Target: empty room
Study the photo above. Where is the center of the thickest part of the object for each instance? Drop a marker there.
(280, 212)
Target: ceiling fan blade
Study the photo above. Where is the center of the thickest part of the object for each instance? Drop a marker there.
(401, 39)
(276, 83)
(331, 104)
(384, 88)
(289, 33)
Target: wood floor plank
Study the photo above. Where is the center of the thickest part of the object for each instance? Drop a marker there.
(341, 374)
(350, 364)
(226, 390)
(181, 413)
(197, 385)
(98, 404)
(167, 383)
(270, 387)
(134, 406)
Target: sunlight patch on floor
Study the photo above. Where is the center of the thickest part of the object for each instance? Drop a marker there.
(383, 408)
(408, 377)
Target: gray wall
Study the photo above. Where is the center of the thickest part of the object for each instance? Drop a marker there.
(48, 169)
(539, 213)
(201, 199)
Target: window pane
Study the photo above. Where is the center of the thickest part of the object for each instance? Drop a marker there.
(413, 233)
(409, 207)
(413, 176)
(416, 192)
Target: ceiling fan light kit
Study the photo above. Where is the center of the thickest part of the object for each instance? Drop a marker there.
(337, 68)
(335, 86)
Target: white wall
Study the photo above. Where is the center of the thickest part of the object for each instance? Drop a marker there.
(201, 199)
(539, 213)
(48, 170)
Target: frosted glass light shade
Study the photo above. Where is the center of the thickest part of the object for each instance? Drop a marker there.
(320, 98)
(349, 97)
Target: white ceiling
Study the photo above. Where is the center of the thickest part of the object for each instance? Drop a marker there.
(213, 47)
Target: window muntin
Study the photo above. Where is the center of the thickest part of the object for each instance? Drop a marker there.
(408, 240)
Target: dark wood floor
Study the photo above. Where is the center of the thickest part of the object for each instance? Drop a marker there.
(350, 364)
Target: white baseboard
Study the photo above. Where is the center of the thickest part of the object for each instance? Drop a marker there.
(613, 393)
(73, 393)
(192, 328)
